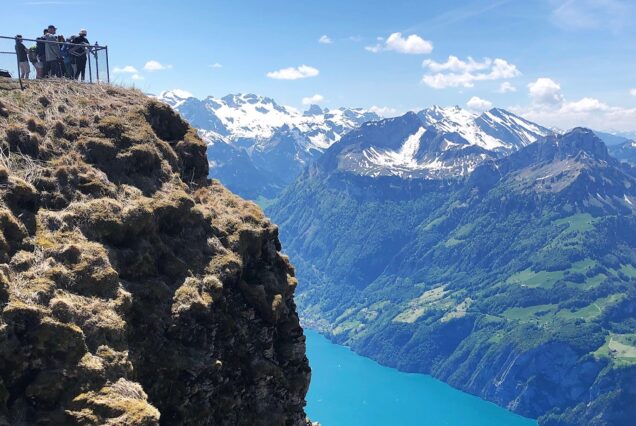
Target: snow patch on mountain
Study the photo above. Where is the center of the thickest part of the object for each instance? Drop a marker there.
(252, 121)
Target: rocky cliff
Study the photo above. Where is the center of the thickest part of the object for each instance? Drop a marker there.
(133, 290)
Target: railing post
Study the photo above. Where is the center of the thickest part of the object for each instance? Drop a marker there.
(90, 68)
(107, 67)
(96, 65)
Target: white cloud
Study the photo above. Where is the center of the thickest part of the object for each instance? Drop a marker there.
(153, 65)
(137, 77)
(411, 45)
(478, 105)
(633, 92)
(313, 100)
(325, 39)
(215, 65)
(128, 69)
(506, 87)
(584, 105)
(550, 107)
(291, 73)
(384, 111)
(455, 72)
(545, 92)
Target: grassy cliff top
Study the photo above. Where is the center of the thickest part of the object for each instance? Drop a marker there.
(132, 289)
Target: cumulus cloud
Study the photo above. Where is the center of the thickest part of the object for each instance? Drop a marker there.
(506, 87)
(478, 105)
(458, 73)
(215, 65)
(128, 69)
(410, 45)
(584, 105)
(325, 39)
(313, 100)
(545, 92)
(153, 65)
(384, 111)
(291, 73)
(550, 107)
(633, 92)
(137, 77)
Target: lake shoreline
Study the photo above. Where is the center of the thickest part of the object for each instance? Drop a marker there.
(346, 383)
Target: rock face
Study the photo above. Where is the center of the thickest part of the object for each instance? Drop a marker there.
(133, 290)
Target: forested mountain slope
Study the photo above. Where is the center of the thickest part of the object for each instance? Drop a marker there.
(516, 283)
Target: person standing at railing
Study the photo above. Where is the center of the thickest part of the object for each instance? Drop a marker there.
(80, 54)
(23, 58)
(69, 58)
(53, 53)
(40, 67)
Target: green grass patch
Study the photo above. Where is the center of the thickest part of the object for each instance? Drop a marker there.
(530, 313)
(463, 231)
(452, 242)
(435, 222)
(580, 222)
(628, 270)
(591, 311)
(620, 349)
(582, 266)
(529, 278)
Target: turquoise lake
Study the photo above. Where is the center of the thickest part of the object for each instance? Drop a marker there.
(348, 390)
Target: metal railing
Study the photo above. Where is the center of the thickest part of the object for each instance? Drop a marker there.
(91, 51)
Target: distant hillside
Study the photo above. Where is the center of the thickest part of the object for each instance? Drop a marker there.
(515, 282)
(625, 151)
(133, 291)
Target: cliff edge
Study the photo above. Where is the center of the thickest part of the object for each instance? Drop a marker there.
(132, 289)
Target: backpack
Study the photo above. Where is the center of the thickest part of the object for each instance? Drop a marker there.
(33, 54)
(5, 73)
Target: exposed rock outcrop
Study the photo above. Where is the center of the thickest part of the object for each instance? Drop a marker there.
(133, 290)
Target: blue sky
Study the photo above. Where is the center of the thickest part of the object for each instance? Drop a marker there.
(563, 62)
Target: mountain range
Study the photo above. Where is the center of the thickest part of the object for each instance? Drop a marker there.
(256, 146)
(515, 282)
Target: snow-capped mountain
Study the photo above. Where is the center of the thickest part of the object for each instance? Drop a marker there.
(278, 141)
(433, 143)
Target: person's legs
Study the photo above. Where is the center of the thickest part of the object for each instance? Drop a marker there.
(46, 70)
(39, 69)
(68, 70)
(81, 67)
(54, 69)
(25, 69)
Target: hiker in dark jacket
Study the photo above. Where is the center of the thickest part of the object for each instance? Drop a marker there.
(53, 53)
(40, 68)
(23, 58)
(80, 54)
(69, 58)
